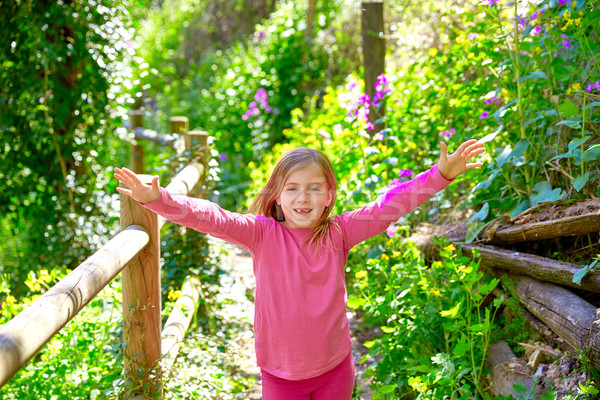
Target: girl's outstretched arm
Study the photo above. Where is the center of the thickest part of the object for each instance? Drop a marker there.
(135, 188)
(453, 165)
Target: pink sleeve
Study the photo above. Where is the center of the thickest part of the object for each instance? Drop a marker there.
(376, 217)
(206, 216)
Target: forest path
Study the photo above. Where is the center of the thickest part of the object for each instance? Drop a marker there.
(238, 285)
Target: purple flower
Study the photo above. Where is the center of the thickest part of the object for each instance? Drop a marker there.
(405, 173)
(391, 230)
(222, 157)
(537, 30)
(473, 36)
(484, 115)
(591, 86)
(562, 2)
(566, 42)
(370, 126)
(10, 101)
(448, 132)
(492, 2)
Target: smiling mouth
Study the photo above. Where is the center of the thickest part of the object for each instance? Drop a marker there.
(303, 211)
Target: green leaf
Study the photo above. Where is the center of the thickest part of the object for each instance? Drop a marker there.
(473, 231)
(451, 312)
(388, 329)
(534, 75)
(575, 143)
(594, 104)
(355, 302)
(543, 193)
(480, 215)
(571, 122)
(461, 349)
(580, 181)
(478, 328)
(568, 109)
(579, 275)
(520, 388)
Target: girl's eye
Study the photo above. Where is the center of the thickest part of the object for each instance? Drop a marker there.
(315, 189)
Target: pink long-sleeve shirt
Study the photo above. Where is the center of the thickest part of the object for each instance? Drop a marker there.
(300, 323)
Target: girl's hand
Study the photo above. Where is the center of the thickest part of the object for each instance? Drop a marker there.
(137, 190)
(451, 166)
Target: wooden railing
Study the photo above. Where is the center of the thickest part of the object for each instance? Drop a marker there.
(135, 252)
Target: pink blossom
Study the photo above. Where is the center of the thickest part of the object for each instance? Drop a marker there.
(378, 136)
(391, 230)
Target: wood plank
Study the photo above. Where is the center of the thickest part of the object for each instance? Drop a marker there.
(179, 321)
(28, 332)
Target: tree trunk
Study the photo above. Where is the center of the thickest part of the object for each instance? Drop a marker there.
(374, 55)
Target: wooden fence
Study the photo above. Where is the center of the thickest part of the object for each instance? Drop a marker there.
(135, 252)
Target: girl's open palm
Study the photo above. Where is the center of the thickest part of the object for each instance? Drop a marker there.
(451, 166)
(139, 191)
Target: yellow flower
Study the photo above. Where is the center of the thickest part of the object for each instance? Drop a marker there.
(174, 294)
(471, 55)
(10, 300)
(385, 257)
(45, 276)
(360, 274)
(435, 292)
(433, 52)
(450, 247)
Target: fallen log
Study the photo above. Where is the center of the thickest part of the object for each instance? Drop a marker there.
(572, 318)
(569, 226)
(506, 369)
(542, 268)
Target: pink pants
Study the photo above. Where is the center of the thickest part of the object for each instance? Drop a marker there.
(336, 384)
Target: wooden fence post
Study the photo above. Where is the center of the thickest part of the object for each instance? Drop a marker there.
(373, 54)
(136, 162)
(142, 302)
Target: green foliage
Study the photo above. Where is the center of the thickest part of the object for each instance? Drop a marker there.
(59, 100)
(435, 328)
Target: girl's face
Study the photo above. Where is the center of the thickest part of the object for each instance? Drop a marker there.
(304, 197)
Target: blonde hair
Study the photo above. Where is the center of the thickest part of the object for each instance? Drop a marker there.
(265, 202)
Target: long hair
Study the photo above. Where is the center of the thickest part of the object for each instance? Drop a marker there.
(265, 202)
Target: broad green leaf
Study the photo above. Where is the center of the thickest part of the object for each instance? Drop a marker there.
(571, 122)
(520, 148)
(520, 388)
(575, 143)
(519, 208)
(594, 104)
(568, 109)
(534, 75)
(480, 215)
(543, 193)
(504, 156)
(579, 275)
(500, 112)
(580, 181)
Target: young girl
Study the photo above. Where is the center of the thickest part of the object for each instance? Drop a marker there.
(302, 338)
